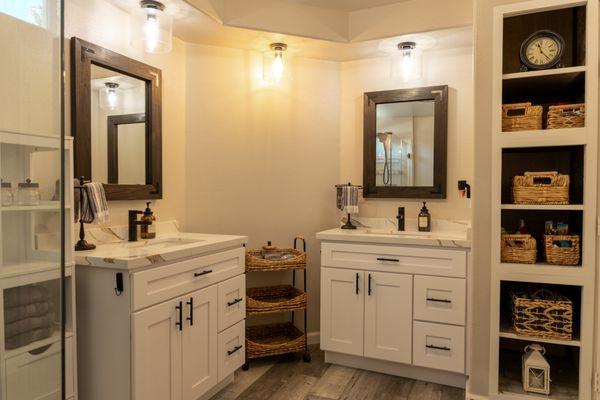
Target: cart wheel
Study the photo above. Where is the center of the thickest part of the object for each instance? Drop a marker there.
(246, 366)
(306, 357)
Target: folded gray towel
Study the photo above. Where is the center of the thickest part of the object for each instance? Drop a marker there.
(28, 337)
(26, 325)
(27, 311)
(25, 295)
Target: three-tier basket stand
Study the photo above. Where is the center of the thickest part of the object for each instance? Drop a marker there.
(278, 338)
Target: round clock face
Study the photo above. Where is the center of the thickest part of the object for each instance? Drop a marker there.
(542, 50)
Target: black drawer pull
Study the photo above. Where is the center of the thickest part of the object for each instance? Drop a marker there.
(387, 259)
(230, 303)
(357, 283)
(369, 291)
(439, 300)
(431, 346)
(180, 322)
(236, 348)
(197, 274)
(190, 303)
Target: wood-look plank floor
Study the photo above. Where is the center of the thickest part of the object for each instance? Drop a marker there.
(289, 378)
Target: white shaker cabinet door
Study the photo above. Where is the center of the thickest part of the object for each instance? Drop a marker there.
(388, 317)
(200, 343)
(342, 310)
(157, 352)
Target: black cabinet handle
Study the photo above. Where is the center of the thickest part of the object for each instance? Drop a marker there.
(357, 283)
(190, 303)
(236, 348)
(369, 285)
(230, 303)
(431, 346)
(388, 259)
(197, 274)
(180, 322)
(439, 300)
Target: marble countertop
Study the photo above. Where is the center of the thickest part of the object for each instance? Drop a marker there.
(444, 233)
(115, 252)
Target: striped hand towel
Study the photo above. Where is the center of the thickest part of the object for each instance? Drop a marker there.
(94, 207)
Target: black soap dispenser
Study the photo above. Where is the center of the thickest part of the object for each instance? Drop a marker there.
(424, 220)
(148, 229)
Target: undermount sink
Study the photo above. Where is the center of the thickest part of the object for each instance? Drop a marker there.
(404, 234)
(147, 247)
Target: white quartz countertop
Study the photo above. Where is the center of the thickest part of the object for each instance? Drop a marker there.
(115, 252)
(378, 230)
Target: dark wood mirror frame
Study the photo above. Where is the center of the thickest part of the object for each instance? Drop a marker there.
(83, 55)
(439, 94)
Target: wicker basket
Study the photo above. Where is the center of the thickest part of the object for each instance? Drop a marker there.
(562, 255)
(273, 339)
(566, 116)
(255, 263)
(519, 248)
(541, 188)
(282, 298)
(521, 117)
(542, 313)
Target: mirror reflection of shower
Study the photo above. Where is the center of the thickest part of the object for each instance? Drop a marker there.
(385, 138)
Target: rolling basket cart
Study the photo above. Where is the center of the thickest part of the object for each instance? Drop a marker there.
(279, 338)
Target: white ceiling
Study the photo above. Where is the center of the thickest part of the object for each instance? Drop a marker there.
(345, 5)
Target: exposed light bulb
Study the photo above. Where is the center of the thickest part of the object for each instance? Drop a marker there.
(277, 67)
(152, 27)
(109, 96)
(406, 64)
(274, 64)
(151, 31)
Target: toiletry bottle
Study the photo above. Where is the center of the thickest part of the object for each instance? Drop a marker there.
(148, 229)
(424, 219)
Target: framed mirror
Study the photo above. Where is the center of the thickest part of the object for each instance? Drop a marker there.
(405, 143)
(116, 120)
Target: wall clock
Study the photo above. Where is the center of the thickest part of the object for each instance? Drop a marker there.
(542, 50)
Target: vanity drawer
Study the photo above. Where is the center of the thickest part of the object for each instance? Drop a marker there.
(155, 285)
(232, 349)
(439, 346)
(386, 258)
(232, 301)
(440, 299)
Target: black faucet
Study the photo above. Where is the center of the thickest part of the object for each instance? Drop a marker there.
(400, 218)
(133, 224)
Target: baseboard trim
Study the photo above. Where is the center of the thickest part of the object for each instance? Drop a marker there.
(220, 386)
(476, 397)
(313, 337)
(407, 371)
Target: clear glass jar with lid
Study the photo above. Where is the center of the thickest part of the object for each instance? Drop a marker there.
(7, 194)
(28, 193)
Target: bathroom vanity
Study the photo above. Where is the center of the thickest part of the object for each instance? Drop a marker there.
(161, 319)
(396, 302)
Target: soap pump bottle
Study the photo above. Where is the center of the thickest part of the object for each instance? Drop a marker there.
(424, 219)
(148, 229)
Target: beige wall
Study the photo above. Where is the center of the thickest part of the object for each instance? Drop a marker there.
(106, 25)
(262, 161)
(448, 67)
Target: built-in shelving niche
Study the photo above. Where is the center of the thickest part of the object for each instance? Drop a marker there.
(567, 22)
(568, 160)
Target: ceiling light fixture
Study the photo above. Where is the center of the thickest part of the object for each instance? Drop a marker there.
(152, 27)
(109, 96)
(274, 68)
(406, 62)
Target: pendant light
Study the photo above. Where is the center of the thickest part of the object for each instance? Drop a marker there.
(274, 68)
(109, 96)
(152, 27)
(406, 62)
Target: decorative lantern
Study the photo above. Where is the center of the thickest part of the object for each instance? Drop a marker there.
(536, 370)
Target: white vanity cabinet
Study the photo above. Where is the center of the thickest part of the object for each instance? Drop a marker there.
(395, 309)
(176, 332)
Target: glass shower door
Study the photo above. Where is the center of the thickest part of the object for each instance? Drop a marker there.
(34, 335)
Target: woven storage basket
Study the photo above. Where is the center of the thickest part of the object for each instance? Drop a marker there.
(272, 299)
(521, 117)
(273, 339)
(542, 313)
(562, 255)
(255, 263)
(519, 248)
(566, 116)
(541, 188)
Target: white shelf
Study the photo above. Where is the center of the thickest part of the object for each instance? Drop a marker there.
(36, 142)
(543, 138)
(43, 206)
(543, 273)
(55, 338)
(542, 207)
(31, 271)
(548, 72)
(507, 333)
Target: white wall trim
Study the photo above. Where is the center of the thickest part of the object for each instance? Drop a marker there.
(476, 397)
(313, 337)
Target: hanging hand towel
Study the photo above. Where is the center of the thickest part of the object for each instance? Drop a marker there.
(350, 199)
(94, 204)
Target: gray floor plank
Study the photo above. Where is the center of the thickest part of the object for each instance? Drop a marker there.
(333, 382)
